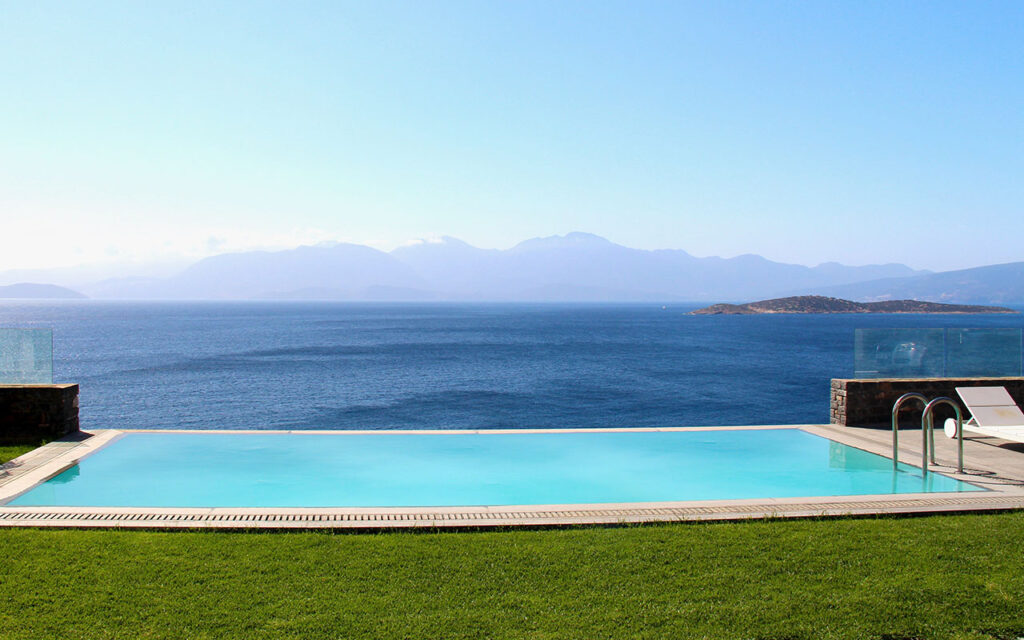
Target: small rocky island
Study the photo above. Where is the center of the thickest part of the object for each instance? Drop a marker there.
(823, 304)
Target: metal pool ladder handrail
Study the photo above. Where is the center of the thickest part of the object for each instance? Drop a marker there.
(895, 429)
(927, 421)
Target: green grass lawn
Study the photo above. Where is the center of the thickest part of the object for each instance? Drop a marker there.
(10, 452)
(933, 577)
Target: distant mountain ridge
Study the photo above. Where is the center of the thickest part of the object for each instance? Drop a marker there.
(576, 267)
(33, 291)
(994, 284)
(824, 304)
(342, 271)
(585, 267)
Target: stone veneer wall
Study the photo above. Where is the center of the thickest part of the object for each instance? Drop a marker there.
(30, 413)
(867, 402)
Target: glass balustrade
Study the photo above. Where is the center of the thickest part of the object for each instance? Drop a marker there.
(937, 353)
(26, 356)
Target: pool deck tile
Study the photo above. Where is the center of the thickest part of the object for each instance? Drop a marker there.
(995, 465)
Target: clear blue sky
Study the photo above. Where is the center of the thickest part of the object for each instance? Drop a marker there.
(803, 131)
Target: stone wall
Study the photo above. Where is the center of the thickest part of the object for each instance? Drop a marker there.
(868, 402)
(30, 413)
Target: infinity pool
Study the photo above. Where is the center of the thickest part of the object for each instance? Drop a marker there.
(463, 469)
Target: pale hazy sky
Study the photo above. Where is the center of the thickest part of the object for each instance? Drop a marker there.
(803, 131)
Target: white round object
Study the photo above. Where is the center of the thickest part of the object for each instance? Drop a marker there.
(950, 427)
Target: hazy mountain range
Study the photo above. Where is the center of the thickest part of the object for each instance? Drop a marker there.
(574, 267)
(25, 290)
(994, 284)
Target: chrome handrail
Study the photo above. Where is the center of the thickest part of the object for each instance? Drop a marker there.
(927, 424)
(895, 428)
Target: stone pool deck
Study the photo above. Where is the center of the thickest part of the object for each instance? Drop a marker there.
(993, 464)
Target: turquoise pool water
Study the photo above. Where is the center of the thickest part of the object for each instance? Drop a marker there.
(458, 469)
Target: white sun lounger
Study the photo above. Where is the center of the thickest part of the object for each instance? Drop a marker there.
(993, 413)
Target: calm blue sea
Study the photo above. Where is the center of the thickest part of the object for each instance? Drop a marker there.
(454, 366)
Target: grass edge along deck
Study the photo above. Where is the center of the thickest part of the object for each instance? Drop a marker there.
(50, 460)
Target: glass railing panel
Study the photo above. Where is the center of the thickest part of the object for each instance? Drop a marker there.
(26, 356)
(899, 353)
(983, 352)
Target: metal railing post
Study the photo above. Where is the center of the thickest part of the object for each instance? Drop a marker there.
(927, 423)
(895, 426)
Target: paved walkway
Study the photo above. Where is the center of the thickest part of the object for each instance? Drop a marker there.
(998, 466)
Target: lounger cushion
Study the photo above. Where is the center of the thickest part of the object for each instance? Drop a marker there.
(991, 406)
(986, 396)
(998, 416)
